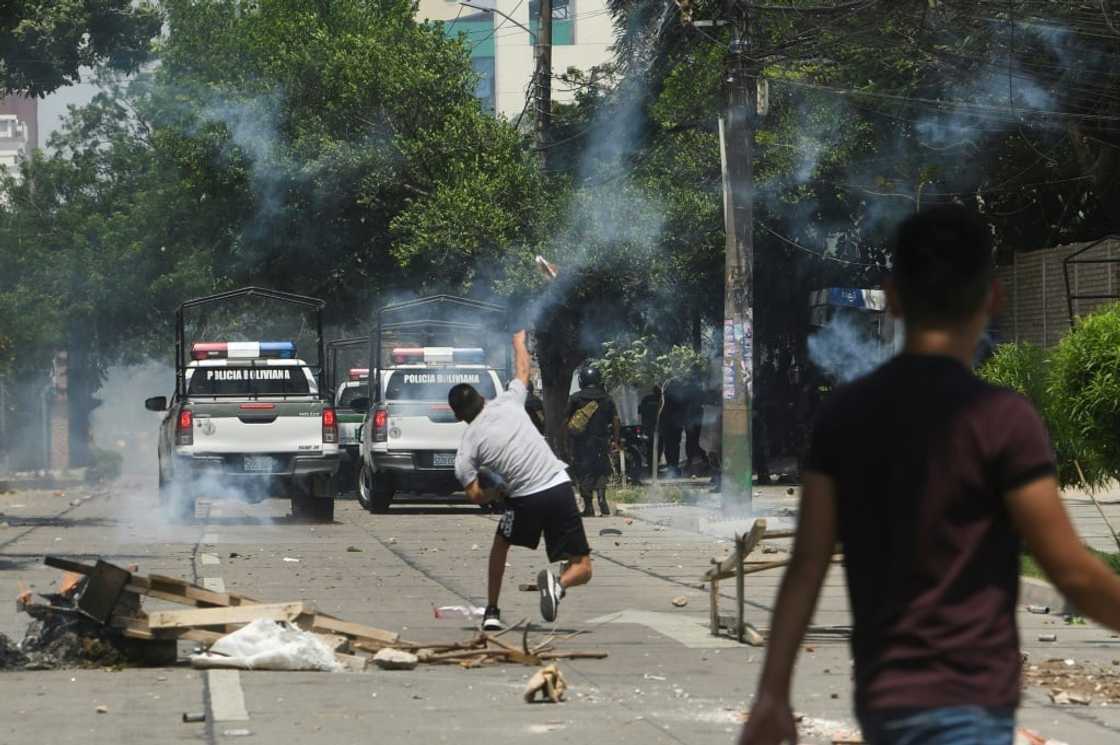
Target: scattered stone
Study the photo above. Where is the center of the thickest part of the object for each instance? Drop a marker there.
(234, 555)
(102, 709)
(237, 733)
(610, 531)
(354, 549)
(395, 659)
(1048, 637)
(391, 541)
(189, 717)
(680, 601)
(75, 502)
(1040, 610)
(290, 560)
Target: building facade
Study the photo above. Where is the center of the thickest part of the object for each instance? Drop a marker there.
(503, 52)
(19, 130)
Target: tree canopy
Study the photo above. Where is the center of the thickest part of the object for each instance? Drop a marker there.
(44, 44)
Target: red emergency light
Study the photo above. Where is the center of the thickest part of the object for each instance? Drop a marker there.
(218, 350)
(359, 373)
(439, 356)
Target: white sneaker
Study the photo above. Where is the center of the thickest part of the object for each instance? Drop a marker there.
(551, 591)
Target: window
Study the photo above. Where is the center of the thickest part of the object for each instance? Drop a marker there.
(563, 21)
(484, 89)
(433, 384)
(261, 380)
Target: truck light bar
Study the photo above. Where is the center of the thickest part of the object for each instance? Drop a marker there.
(439, 356)
(359, 373)
(214, 350)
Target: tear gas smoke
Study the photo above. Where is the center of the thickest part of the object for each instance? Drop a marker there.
(845, 351)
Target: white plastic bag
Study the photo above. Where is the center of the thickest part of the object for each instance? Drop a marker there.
(461, 611)
(268, 645)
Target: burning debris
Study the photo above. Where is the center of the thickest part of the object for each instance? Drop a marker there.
(97, 620)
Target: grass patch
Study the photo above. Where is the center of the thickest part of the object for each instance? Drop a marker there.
(1030, 568)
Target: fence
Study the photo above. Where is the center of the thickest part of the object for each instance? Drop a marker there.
(1038, 301)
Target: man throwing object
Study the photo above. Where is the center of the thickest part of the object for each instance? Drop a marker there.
(501, 439)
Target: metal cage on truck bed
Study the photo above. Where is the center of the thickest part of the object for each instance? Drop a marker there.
(440, 321)
(181, 347)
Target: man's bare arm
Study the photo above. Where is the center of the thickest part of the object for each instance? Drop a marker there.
(812, 551)
(520, 357)
(476, 493)
(1041, 519)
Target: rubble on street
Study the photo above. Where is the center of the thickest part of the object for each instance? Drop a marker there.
(97, 620)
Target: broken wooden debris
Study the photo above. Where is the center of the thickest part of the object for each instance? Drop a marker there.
(234, 614)
(114, 602)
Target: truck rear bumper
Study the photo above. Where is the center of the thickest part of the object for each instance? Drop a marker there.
(232, 466)
(408, 476)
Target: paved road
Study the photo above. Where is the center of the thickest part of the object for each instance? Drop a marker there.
(666, 680)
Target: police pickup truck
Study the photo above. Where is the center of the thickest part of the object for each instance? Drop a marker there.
(410, 435)
(350, 425)
(249, 421)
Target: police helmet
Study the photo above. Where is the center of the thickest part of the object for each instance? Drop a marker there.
(589, 377)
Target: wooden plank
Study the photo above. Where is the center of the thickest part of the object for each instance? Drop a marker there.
(172, 585)
(713, 606)
(326, 624)
(222, 616)
(726, 568)
(334, 642)
(67, 565)
(741, 552)
(137, 628)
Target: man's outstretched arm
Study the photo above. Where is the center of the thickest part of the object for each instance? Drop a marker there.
(771, 719)
(520, 357)
(1041, 518)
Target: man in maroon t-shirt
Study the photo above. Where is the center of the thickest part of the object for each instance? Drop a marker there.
(929, 477)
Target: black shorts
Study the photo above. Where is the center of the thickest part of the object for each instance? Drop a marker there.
(552, 512)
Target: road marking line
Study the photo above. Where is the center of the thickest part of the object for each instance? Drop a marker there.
(210, 559)
(227, 700)
(689, 631)
(214, 584)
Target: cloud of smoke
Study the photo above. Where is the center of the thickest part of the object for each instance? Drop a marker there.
(844, 350)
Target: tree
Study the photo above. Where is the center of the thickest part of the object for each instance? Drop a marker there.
(45, 43)
(325, 148)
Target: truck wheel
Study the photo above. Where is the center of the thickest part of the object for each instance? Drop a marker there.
(375, 492)
(313, 497)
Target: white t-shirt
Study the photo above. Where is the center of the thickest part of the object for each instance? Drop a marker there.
(504, 439)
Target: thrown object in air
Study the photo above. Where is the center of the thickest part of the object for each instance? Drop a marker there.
(549, 682)
(547, 268)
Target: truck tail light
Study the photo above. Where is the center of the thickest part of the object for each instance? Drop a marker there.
(184, 430)
(381, 425)
(330, 426)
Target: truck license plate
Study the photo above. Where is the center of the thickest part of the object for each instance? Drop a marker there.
(259, 464)
(443, 459)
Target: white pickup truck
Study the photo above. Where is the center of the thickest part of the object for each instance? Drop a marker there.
(410, 436)
(251, 422)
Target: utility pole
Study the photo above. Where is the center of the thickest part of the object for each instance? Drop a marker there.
(736, 128)
(544, 77)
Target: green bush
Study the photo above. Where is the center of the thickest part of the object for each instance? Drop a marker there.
(1028, 369)
(1021, 367)
(1084, 387)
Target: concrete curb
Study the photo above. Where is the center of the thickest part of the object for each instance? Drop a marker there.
(1039, 592)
